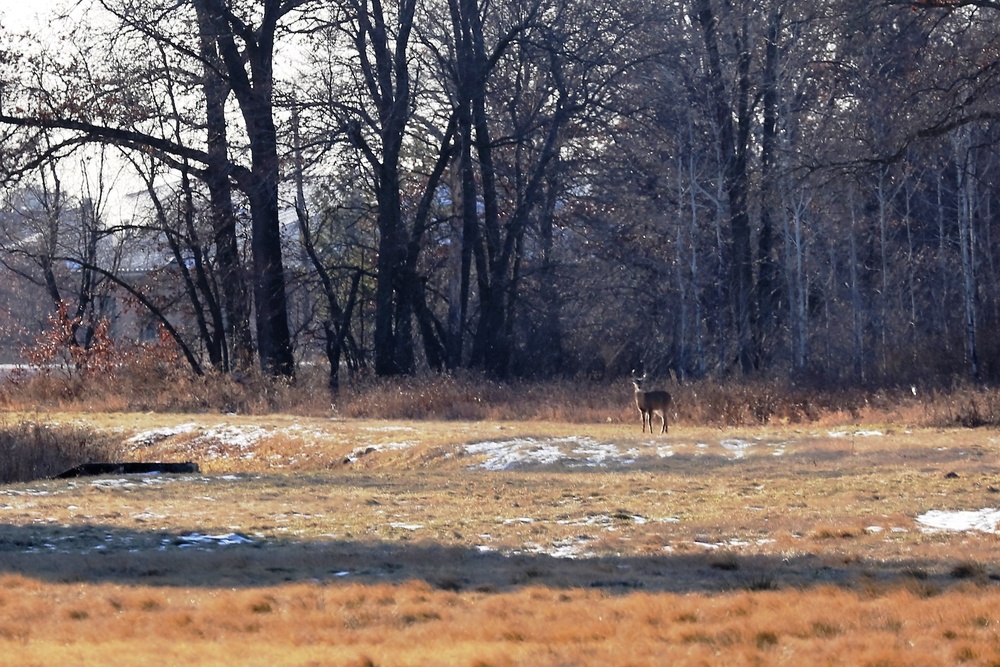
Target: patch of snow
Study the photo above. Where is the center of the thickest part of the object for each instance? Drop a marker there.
(569, 548)
(598, 454)
(728, 544)
(153, 436)
(737, 447)
(508, 454)
(856, 434)
(406, 526)
(740, 448)
(25, 492)
(984, 520)
(572, 450)
(242, 438)
(125, 482)
(220, 440)
(612, 520)
(197, 539)
(708, 545)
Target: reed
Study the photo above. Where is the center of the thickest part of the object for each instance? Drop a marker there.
(32, 449)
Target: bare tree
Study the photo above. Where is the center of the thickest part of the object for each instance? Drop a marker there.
(243, 38)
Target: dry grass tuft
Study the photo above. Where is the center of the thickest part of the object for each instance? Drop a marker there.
(466, 396)
(840, 531)
(32, 450)
(968, 570)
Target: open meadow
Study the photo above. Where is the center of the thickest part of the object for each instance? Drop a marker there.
(312, 540)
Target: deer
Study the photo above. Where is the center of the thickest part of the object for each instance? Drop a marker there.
(649, 402)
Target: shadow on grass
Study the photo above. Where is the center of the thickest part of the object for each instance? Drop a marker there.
(100, 554)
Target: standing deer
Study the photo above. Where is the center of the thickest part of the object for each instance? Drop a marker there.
(649, 402)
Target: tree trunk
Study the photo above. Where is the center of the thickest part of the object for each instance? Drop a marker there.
(966, 243)
(733, 139)
(253, 92)
(857, 306)
(766, 325)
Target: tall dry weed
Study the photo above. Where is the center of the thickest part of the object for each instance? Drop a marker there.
(469, 396)
(32, 450)
(155, 383)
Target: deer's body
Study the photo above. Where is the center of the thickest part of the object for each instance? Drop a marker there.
(649, 402)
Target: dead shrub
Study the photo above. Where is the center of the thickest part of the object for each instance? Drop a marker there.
(36, 450)
(970, 408)
(726, 560)
(968, 570)
(828, 531)
(470, 396)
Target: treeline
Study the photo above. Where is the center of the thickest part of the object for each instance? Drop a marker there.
(786, 188)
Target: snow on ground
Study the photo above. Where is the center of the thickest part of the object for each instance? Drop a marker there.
(507, 454)
(153, 436)
(984, 520)
(856, 434)
(242, 441)
(582, 451)
(227, 440)
(135, 481)
(242, 438)
(199, 540)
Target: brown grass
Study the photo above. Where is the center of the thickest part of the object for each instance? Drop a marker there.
(413, 624)
(33, 449)
(765, 528)
(469, 396)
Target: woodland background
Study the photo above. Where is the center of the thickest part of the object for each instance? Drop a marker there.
(784, 189)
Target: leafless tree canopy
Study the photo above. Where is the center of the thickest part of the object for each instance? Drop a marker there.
(793, 188)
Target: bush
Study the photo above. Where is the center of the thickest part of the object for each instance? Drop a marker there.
(32, 450)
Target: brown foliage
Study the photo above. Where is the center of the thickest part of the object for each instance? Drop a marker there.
(153, 377)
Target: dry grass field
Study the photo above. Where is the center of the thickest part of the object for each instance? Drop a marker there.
(359, 541)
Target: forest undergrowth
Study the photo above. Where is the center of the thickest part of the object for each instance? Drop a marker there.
(737, 402)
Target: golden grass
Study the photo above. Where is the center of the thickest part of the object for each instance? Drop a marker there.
(469, 396)
(414, 624)
(385, 542)
(32, 447)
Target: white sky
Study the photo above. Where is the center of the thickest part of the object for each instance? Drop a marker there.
(21, 14)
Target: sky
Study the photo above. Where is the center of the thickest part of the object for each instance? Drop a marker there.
(20, 14)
